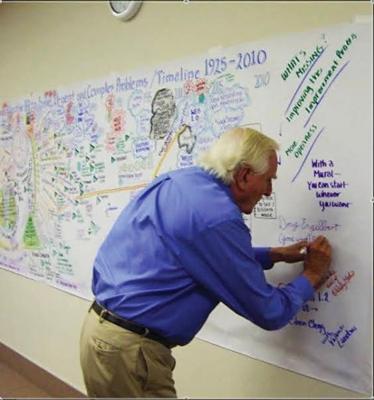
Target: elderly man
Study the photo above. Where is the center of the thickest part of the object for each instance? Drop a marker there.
(178, 249)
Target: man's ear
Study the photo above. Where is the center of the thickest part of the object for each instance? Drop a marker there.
(241, 177)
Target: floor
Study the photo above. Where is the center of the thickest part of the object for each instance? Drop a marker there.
(13, 384)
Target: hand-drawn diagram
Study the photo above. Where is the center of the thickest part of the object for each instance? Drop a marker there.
(186, 139)
(163, 111)
(71, 159)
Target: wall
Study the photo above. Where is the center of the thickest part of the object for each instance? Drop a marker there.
(47, 45)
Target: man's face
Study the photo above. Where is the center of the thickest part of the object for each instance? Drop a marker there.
(250, 188)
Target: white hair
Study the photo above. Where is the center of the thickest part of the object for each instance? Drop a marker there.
(235, 148)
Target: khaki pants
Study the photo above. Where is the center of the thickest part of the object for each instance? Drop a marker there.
(119, 363)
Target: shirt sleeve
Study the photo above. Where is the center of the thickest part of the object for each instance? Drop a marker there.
(262, 255)
(221, 260)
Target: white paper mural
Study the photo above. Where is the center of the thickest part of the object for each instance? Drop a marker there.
(72, 158)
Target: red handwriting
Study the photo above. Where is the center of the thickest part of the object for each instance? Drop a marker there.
(69, 116)
(117, 128)
(118, 121)
(195, 87)
(50, 93)
(109, 103)
(200, 85)
(339, 284)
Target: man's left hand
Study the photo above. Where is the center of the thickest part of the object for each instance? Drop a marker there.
(290, 254)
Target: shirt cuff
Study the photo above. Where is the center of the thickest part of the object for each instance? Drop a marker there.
(304, 287)
(262, 255)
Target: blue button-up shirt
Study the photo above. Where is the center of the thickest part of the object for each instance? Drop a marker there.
(178, 249)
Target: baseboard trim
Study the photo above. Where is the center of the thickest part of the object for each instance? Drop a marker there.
(37, 375)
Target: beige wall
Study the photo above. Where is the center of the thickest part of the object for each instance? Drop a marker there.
(44, 46)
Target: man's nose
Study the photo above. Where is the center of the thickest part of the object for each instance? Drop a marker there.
(268, 191)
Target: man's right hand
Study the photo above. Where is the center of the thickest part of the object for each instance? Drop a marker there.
(317, 261)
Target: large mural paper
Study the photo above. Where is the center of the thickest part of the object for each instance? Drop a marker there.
(72, 158)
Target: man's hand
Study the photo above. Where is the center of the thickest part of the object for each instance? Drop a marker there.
(289, 254)
(317, 261)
